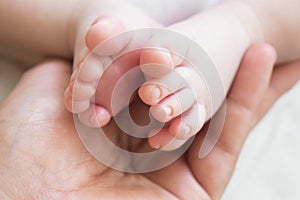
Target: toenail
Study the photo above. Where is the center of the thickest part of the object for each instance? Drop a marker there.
(157, 92)
(167, 55)
(161, 113)
(80, 106)
(93, 120)
(187, 130)
(67, 92)
(153, 132)
(96, 20)
(156, 146)
(168, 110)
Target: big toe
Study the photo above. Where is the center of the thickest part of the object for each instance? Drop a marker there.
(103, 29)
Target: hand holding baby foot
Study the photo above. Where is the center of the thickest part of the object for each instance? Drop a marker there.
(40, 150)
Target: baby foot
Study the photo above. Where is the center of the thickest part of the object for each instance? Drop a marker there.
(175, 90)
(181, 102)
(178, 98)
(87, 94)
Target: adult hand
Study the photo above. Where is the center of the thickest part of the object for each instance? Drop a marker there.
(41, 156)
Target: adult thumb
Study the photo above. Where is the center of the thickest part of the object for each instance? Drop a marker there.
(41, 87)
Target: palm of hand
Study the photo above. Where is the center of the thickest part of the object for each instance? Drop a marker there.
(41, 156)
(47, 158)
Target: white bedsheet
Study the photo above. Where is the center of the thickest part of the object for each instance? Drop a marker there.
(268, 168)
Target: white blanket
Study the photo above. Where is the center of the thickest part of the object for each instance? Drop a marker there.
(268, 168)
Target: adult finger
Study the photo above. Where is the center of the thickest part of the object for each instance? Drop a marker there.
(214, 171)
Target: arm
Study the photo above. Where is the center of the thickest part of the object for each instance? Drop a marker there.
(226, 31)
(280, 24)
(35, 27)
(272, 21)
